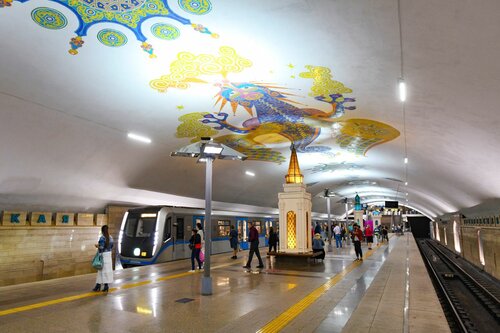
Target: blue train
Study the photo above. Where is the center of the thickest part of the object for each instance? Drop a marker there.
(155, 234)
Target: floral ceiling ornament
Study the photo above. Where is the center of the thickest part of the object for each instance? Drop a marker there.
(130, 14)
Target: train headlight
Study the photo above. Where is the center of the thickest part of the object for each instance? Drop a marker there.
(137, 251)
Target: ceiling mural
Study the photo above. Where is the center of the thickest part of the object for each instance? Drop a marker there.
(332, 167)
(126, 13)
(83, 75)
(274, 115)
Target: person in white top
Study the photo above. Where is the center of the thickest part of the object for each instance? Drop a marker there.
(338, 236)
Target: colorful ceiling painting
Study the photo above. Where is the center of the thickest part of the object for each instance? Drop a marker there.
(332, 167)
(129, 14)
(274, 116)
(317, 74)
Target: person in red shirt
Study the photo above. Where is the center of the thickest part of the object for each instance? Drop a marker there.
(369, 236)
(357, 238)
(253, 239)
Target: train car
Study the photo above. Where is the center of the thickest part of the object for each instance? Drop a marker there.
(155, 234)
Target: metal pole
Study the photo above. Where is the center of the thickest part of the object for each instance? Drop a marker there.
(206, 281)
(346, 213)
(329, 220)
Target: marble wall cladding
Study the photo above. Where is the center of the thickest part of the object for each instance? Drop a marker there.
(470, 246)
(30, 254)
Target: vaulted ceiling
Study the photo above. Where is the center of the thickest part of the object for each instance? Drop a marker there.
(76, 76)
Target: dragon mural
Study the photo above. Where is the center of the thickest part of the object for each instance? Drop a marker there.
(273, 115)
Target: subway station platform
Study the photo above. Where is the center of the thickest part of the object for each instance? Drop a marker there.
(389, 291)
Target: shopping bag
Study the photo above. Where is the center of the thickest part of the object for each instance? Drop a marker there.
(202, 256)
(97, 262)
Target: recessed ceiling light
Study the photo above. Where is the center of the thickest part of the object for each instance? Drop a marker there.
(406, 193)
(250, 173)
(406, 183)
(406, 160)
(138, 138)
(402, 90)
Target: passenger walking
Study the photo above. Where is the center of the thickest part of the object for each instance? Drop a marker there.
(318, 247)
(105, 274)
(357, 238)
(385, 234)
(369, 236)
(273, 239)
(233, 241)
(338, 236)
(253, 239)
(195, 246)
(317, 228)
(376, 233)
(343, 233)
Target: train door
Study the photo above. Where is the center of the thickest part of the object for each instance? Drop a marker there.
(167, 241)
(242, 227)
(179, 248)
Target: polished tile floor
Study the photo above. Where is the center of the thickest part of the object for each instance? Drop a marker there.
(165, 298)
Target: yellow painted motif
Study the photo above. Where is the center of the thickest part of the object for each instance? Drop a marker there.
(188, 67)
(324, 85)
(360, 135)
(291, 228)
(191, 127)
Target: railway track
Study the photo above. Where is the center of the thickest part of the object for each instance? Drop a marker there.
(470, 301)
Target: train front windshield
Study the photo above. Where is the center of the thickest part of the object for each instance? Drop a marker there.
(140, 227)
(138, 235)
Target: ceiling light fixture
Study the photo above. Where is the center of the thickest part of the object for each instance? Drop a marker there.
(402, 90)
(406, 160)
(406, 183)
(138, 137)
(249, 173)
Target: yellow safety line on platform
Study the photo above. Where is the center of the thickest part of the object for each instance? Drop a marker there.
(292, 312)
(92, 294)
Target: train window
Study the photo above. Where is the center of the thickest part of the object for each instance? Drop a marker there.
(258, 226)
(242, 229)
(167, 230)
(131, 226)
(145, 227)
(179, 234)
(223, 228)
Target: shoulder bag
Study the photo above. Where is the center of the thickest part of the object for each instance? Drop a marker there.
(97, 262)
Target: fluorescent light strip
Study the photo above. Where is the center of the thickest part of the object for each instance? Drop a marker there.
(138, 138)
(406, 160)
(250, 173)
(402, 90)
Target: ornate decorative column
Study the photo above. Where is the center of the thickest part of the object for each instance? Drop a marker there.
(295, 211)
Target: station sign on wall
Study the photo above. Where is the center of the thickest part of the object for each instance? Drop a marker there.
(84, 219)
(14, 218)
(66, 219)
(41, 219)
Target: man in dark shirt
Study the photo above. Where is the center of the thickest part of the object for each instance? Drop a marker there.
(253, 239)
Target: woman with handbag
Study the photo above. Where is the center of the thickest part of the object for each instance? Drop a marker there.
(195, 246)
(104, 247)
